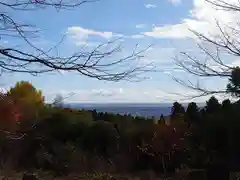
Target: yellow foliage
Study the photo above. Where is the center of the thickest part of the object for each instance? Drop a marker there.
(27, 97)
(26, 93)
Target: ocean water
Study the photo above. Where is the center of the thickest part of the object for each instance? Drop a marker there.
(145, 110)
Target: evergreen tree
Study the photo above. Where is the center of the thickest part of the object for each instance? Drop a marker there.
(233, 86)
(178, 111)
(192, 112)
(212, 105)
(226, 105)
(162, 117)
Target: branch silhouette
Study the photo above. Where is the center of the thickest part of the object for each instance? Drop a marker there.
(102, 62)
(212, 63)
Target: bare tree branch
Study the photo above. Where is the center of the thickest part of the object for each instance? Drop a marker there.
(98, 63)
(36, 4)
(226, 43)
(103, 62)
(224, 5)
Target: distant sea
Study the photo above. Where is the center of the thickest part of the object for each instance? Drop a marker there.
(144, 110)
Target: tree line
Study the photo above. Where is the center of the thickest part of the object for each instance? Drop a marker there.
(63, 140)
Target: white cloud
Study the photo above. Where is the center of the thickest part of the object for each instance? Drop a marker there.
(137, 36)
(116, 95)
(81, 35)
(150, 6)
(82, 32)
(127, 95)
(202, 18)
(175, 2)
(140, 26)
(170, 31)
(86, 43)
(235, 63)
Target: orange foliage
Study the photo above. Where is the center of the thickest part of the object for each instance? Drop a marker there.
(9, 113)
(21, 103)
(165, 139)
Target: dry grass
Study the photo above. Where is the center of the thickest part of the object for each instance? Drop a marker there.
(146, 175)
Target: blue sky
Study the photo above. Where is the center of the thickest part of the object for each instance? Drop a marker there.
(163, 23)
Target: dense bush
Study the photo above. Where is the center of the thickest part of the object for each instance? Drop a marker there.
(64, 140)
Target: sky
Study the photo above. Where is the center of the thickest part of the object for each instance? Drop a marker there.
(164, 24)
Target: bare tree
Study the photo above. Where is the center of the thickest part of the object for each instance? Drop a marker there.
(225, 5)
(58, 100)
(214, 50)
(98, 62)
